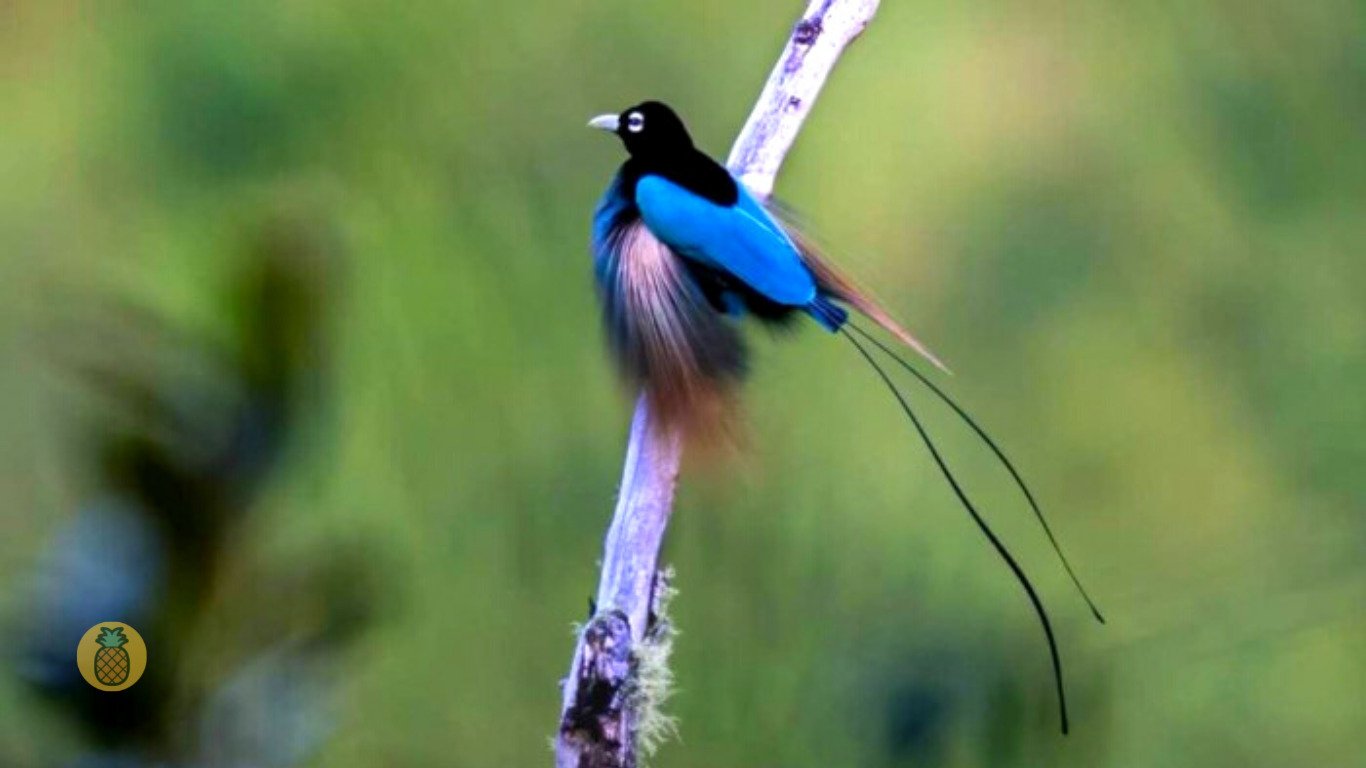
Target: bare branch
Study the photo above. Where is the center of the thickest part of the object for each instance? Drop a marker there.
(826, 29)
(600, 712)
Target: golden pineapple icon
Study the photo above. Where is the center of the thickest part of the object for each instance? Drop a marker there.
(111, 656)
(112, 664)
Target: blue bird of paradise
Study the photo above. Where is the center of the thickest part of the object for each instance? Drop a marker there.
(682, 251)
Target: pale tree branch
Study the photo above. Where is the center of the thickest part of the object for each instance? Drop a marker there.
(601, 710)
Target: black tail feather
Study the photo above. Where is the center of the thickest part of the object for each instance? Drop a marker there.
(981, 523)
(1000, 454)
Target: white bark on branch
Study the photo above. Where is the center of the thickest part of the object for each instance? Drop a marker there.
(599, 714)
(826, 29)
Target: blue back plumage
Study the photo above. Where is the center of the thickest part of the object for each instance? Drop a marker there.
(741, 240)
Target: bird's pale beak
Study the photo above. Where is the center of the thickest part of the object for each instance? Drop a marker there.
(605, 123)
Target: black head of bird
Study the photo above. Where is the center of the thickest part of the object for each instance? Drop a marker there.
(650, 129)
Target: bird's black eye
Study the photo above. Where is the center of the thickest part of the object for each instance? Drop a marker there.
(635, 122)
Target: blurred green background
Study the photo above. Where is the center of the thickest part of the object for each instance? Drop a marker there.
(1134, 230)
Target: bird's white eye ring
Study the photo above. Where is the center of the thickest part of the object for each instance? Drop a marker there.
(635, 122)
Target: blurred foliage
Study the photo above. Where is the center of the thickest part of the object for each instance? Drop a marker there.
(186, 431)
(1134, 230)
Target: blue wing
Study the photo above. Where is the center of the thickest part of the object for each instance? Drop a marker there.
(741, 240)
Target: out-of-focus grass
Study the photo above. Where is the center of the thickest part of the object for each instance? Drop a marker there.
(1134, 232)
